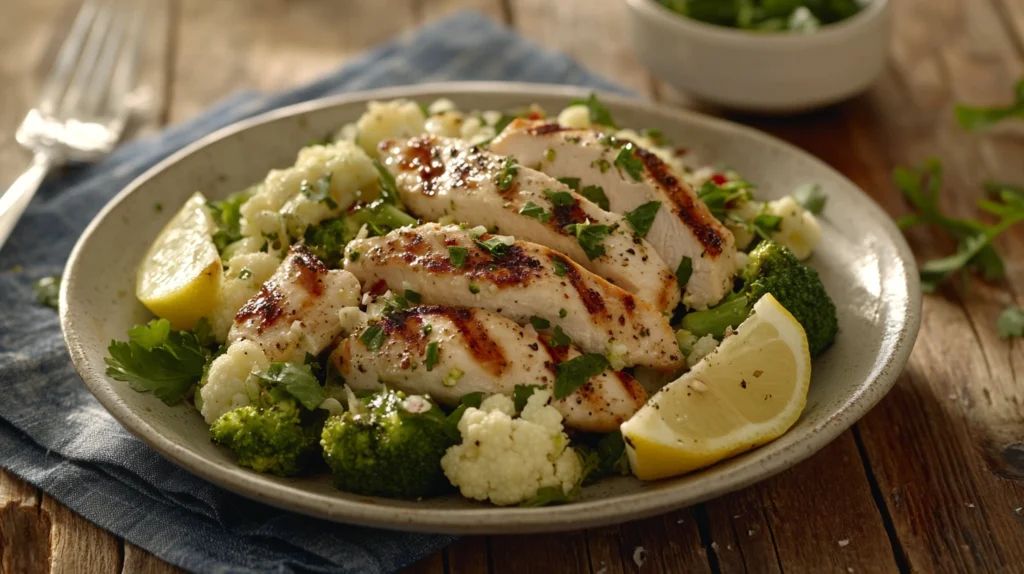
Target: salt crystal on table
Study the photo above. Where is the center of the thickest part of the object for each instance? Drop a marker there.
(639, 556)
(844, 542)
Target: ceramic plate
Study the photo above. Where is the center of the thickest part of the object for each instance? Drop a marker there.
(862, 258)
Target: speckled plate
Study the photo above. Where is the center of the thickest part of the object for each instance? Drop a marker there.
(863, 260)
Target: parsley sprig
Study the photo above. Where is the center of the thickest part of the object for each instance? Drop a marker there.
(590, 236)
(599, 114)
(978, 118)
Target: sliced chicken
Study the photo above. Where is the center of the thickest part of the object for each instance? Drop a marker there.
(440, 177)
(448, 265)
(682, 227)
(296, 311)
(472, 350)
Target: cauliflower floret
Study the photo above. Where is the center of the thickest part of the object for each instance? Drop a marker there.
(280, 199)
(743, 231)
(702, 348)
(225, 388)
(246, 272)
(389, 120)
(577, 116)
(798, 230)
(508, 460)
(445, 124)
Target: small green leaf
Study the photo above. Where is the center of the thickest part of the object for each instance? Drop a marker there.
(547, 496)
(535, 211)
(508, 174)
(590, 237)
(47, 291)
(766, 224)
(319, 191)
(539, 323)
(574, 373)
(595, 193)
(1011, 322)
(561, 267)
(599, 114)
(977, 118)
(562, 313)
(560, 198)
(601, 164)
(643, 216)
(413, 297)
(373, 337)
(628, 162)
(495, 246)
(457, 255)
(573, 182)
(431, 358)
(684, 271)
(522, 393)
(560, 339)
(297, 380)
(388, 185)
(811, 197)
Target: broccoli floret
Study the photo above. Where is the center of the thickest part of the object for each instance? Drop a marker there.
(391, 446)
(278, 437)
(774, 269)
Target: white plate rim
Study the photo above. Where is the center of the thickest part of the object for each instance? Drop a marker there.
(641, 504)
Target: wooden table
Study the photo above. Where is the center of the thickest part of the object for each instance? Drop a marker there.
(928, 481)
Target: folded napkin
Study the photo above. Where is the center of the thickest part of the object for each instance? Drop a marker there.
(55, 435)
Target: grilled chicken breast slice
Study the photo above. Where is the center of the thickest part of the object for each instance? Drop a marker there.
(440, 177)
(631, 176)
(524, 280)
(477, 350)
(296, 311)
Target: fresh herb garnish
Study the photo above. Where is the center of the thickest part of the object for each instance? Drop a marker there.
(431, 359)
(627, 161)
(159, 359)
(1011, 322)
(320, 191)
(522, 393)
(560, 339)
(373, 337)
(548, 496)
(457, 255)
(599, 114)
(507, 175)
(574, 373)
(561, 267)
(451, 422)
(601, 164)
(766, 224)
(642, 217)
(720, 198)
(47, 291)
(535, 211)
(590, 237)
(595, 193)
(327, 241)
(572, 182)
(474, 288)
(978, 118)
(427, 328)
(495, 246)
(388, 185)
(562, 313)
(539, 323)
(227, 215)
(560, 198)
(684, 271)
(413, 297)
(297, 380)
(549, 155)
(810, 197)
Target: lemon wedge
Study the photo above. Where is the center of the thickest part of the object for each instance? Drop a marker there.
(179, 278)
(747, 392)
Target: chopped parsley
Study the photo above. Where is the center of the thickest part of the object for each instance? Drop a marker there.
(427, 328)
(508, 174)
(431, 358)
(453, 377)
(560, 339)
(327, 241)
(561, 267)
(319, 191)
(766, 224)
(245, 273)
(977, 118)
(297, 380)
(590, 236)
(628, 162)
(601, 164)
(535, 211)
(574, 373)
(457, 255)
(684, 271)
(599, 114)
(562, 313)
(549, 155)
(522, 393)
(413, 297)
(810, 197)
(388, 185)
(227, 215)
(642, 217)
(373, 337)
(1011, 322)
(560, 198)
(160, 360)
(474, 288)
(572, 182)
(595, 193)
(495, 246)
(539, 323)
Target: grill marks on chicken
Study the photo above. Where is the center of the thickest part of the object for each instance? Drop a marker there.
(525, 280)
(630, 176)
(296, 310)
(439, 177)
(493, 355)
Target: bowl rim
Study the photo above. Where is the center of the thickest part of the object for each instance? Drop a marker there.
(642, 503)
(829, 34)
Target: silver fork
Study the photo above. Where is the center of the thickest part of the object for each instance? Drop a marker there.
(84, 103)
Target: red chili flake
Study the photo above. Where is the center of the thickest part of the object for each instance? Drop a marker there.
(534, 116)
(719, 179)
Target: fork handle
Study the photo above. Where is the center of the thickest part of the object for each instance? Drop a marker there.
(17, 197)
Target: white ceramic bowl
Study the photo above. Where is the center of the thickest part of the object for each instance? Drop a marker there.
(762, 72)
(863, 260)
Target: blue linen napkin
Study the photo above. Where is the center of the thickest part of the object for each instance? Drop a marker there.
(55, 435)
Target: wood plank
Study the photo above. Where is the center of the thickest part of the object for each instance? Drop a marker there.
(78, 546)
(565, 553)
(667, 543)
(427, 10)
(469, 555)
(433, 564)
(139, 561)
(24, 532)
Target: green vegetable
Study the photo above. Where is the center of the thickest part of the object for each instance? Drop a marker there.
(590, 236)
(600, 459)
(388, 185)
(431, 358)
(373, 337)
(774, 269)
(271, 435)
(380, 217)
(160, 360)
(573, 182)
(451, 423)
(562, 313)
(627, 161)
(1011, 322)
(721, 199)
(507, 175)
(560, 339)
(975, 251)
(539, 323)
(643, 216)
(392, 446)
(495, 246)
(327, 241)
(535, 211)
(601, 164)
(811, 197)
(599, 114)
(227, 216)
(561, 267)
(595, 193)
(560, 198)
(976, 118)
(764, 15)
(766, 224)
(296, 380)
(522, 393)
(320, 191)
(474, 288)
(457, 255)
(684, 271)
(574, 373)
(47, 291)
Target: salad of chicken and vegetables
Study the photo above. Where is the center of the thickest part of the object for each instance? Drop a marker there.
(509, 305)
